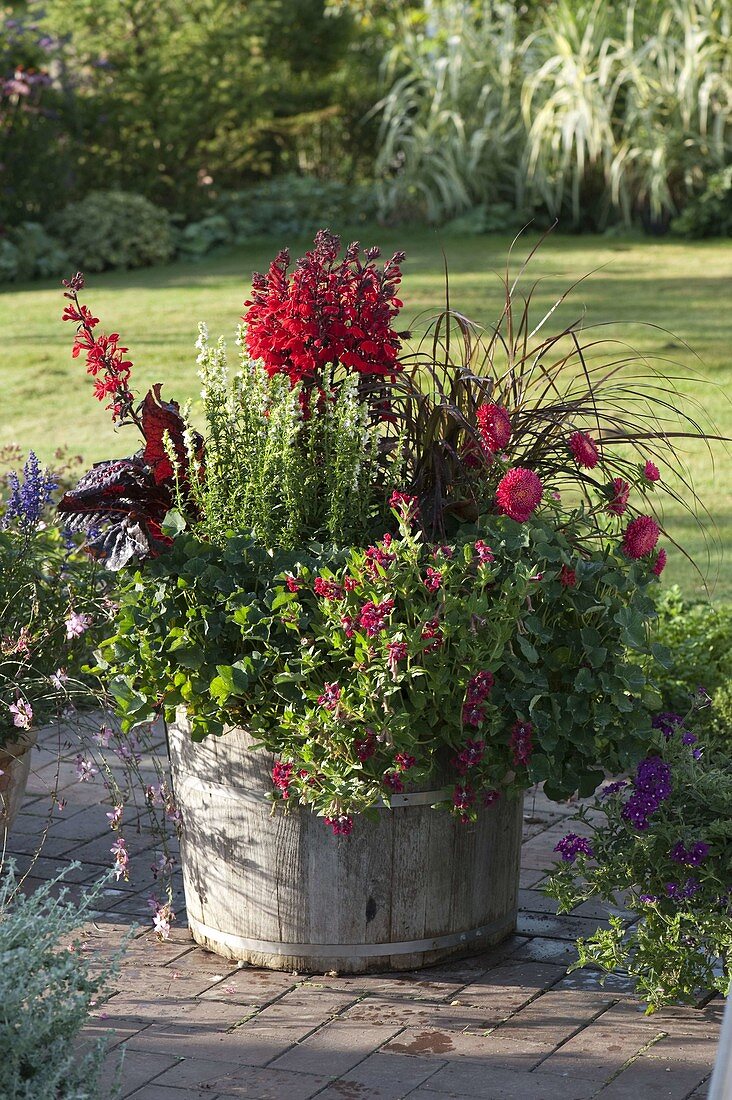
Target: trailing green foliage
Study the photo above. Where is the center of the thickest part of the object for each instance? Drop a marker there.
(47, 989)
(674, 870)
(241, 635)
(284, 465)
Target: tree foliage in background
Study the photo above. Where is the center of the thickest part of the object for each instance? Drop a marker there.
(172, 99)
(504, 110)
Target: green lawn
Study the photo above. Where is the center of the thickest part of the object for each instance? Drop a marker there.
(681, 288)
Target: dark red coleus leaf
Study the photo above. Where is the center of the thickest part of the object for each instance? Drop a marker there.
(120, 508)
(159, 417)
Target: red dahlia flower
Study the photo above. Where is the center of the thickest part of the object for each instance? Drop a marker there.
(519, 493)
(494, 426)
(584, 450)
(640, 538)
(619, 501)
(660, 563)
(328, 311)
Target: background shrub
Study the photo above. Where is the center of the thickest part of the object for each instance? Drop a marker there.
(9, 261)
(40, 256)
(111, 229)
(295, 206)
(710, 214)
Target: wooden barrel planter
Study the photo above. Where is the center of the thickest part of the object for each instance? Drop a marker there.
(15, 762)
(280, 891)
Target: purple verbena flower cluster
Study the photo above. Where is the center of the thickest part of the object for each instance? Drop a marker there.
(680, 893)
(690, 857)
(652, 785)
(571, 846)
(667, 723)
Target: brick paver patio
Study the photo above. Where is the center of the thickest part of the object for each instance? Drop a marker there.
(510, 1023)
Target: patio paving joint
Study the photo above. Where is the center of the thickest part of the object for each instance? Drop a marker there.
(634, 1058)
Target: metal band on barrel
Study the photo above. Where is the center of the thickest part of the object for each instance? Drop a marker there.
(397, 801)
(350, 950)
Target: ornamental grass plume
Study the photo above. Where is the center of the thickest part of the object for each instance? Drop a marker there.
(586, 417)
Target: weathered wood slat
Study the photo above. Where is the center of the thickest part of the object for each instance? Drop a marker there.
(410, 889)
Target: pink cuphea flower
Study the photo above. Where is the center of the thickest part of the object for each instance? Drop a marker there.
(484, 552)
(640, 538)
(77, 623)
(619, 500)
(397, 652)
(433, 579)
(463, 798)
(366, 746)
(522, 742)
(651, 472)
(519, 494)
(432, 633)
(342, 824)
(584, 450)
(660, 563)
(329, 590)
(22, 713)
(330, 697)
(380, 556)
(281, 775)
(473, 714)
(479, 686)
(567, 577)
(372, 616)
(394, 782)
(468, 757)
(494, 425)
(406, 506)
